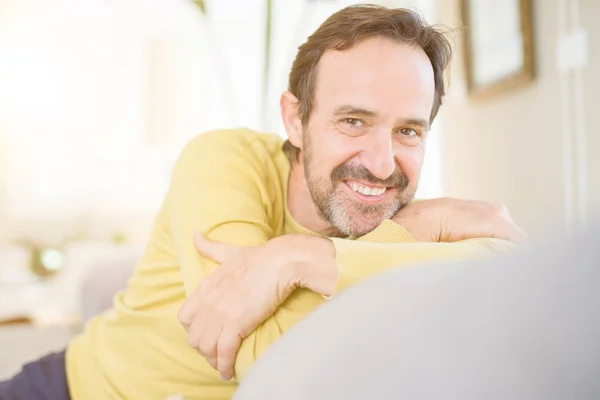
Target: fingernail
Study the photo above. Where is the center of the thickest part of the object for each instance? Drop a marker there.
(224, 377)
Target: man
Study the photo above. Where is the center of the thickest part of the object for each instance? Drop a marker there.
(281, 231)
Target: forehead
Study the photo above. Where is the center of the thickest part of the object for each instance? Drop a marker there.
(379, 74)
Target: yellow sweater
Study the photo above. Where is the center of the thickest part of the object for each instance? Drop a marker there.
(232, 186)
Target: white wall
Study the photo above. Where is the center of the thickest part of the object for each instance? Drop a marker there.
(97, 99)
(589, 14)
(510, 148)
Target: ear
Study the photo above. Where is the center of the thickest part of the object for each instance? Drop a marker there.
(291, 118)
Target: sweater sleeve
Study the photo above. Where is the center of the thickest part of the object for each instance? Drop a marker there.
(217, 188)
(388, 246)
(393, 246)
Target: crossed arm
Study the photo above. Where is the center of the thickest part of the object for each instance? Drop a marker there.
(260, 292)
(247, 287)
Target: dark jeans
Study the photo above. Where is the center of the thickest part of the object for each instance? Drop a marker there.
(44, 379)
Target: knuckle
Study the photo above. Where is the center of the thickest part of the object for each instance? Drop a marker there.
(192, 341)
(207, 350)
(183, 316)
(227, 312)
(205, 285)
(497, 210)
(228, 345)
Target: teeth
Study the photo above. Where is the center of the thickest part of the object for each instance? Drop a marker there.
(367, 191)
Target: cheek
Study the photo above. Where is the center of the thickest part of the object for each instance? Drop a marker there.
(329, 150)
(410, 160)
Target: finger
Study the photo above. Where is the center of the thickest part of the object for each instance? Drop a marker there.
(516, 234)
(209, 338)
(519, 236)
(216, 251)
(195, 331)
(197, 338)
(188, 310)
(227, 348)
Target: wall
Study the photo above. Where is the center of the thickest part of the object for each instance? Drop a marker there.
(590, 11)
(3, 230)
(511, 148)
(97, 99)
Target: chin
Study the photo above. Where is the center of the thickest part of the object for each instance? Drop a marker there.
(357, 226)
(357, 219)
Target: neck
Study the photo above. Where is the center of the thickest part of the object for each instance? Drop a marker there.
(301, 205)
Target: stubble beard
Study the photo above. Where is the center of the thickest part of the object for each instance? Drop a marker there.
(346, 215)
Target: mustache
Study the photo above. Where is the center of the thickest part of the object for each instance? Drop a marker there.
(360, 173)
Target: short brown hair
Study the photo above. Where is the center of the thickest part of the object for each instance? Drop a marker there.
(354, 23)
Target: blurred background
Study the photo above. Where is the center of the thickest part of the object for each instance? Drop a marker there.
(97, 98)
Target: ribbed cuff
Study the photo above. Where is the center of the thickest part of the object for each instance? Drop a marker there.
(343, 258)
(388, 232)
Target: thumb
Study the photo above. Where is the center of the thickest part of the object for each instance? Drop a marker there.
(216, 251)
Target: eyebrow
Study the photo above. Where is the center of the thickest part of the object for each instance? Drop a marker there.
(352, 110)
(348, 109)
(416, 122)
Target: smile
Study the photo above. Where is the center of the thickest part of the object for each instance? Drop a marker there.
(370, 192)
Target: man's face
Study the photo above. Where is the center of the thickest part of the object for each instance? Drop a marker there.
(364, 143)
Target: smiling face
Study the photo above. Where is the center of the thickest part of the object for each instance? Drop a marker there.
(363, 147)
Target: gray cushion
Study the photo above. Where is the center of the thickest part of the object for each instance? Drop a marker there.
(521, 326)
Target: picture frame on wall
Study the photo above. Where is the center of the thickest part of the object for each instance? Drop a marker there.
(498, 45)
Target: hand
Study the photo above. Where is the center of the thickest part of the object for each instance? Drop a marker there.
(231, 302)
(450, 220)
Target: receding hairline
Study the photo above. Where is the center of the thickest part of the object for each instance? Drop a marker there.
(360, 108)
(354, 24)
(314, 76)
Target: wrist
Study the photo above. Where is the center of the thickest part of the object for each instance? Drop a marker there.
(419, 221)
(311, 262)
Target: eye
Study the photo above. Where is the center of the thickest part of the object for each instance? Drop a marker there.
(409, 136)
(409, 132)
(352, 126)
(357, 123)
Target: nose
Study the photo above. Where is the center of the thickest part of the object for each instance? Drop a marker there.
(378, 155)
